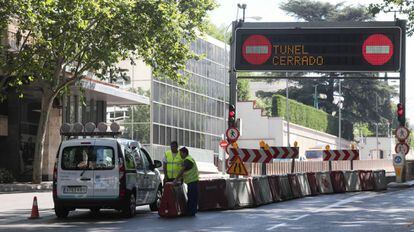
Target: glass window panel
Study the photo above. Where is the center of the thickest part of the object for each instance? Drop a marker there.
(168, 136)
(186, 138)
(191, 139)
(180, 136)
(169, 115)
(162, 135)
(162, 114)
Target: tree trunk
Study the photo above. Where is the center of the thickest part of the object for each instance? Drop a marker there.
(47, 100)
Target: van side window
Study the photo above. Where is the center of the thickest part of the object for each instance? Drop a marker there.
(129, 159)
(139, 162)
(146, 158)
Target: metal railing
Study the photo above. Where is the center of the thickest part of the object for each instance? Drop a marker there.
(278, 168)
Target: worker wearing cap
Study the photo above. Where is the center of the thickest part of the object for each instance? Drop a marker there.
(172, 163)
(189, 172)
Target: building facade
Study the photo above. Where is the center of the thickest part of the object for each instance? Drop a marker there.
(193, 114)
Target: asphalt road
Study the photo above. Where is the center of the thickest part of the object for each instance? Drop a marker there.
(364, 211)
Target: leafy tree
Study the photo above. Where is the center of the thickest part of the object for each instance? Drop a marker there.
(405, 7)
(219, 33)
(358, 94)
(243, 90)
(59, 41)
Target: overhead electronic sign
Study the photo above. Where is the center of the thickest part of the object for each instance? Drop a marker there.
(363, 49)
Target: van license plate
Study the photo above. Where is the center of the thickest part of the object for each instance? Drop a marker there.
(75, 189)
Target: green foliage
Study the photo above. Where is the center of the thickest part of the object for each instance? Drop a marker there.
(362, 129)
(6, 176)
(243, 90)
(265, 104)
(75, 36)
(219, 33)
(308, 116)
(324, 11)
(405, 7)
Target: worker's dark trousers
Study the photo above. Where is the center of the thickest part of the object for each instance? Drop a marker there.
(192, 196)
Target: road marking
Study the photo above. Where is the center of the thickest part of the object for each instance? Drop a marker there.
(354, 198)
(276, 226)
(300, 217)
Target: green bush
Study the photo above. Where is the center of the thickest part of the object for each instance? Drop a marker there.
(308, 116)
(6, 176)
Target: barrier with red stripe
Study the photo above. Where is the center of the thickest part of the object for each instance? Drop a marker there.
(262, 155)
(251, 155)
(330, 155)
(284, 152)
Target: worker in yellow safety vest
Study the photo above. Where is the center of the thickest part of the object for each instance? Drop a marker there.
(172, 163)
(189, 172)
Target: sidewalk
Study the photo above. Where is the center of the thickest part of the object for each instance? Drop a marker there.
(47, 185)
(26, 187)
(407, 184)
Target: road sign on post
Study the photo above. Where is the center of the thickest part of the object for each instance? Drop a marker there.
(402, 148)
(232, 134)
(223, 144)
(402, 133)
(237, 167)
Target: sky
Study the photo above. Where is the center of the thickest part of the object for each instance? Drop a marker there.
(269, 10)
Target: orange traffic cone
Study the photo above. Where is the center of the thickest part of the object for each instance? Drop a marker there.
(35, 210)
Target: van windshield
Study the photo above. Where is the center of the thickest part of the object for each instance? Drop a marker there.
(88, 157)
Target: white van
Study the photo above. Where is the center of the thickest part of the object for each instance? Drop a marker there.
(98, 173)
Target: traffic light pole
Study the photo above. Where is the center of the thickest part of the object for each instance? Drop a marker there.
(232, 71)
(402, 24)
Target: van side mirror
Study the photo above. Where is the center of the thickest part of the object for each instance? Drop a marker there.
(157, 164)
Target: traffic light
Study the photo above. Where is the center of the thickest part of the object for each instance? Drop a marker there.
(232, 116)
(400, 114)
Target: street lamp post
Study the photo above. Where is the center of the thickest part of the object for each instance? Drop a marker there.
(287, 112)
(315, 97)
(340, 116)
(376, 135)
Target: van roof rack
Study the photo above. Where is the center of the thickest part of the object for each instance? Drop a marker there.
(89, 129)
(95, 133)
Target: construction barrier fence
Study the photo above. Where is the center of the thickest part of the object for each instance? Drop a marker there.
(235, 193)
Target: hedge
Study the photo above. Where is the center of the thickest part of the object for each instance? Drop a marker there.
(308, 116)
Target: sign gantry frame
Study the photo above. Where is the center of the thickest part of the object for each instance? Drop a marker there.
(328, 26)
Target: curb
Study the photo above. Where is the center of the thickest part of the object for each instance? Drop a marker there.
(407, 184)
(25, 187)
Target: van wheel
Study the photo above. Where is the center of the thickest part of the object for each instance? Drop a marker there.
(61, 212)
(129, 208)
(156, 204)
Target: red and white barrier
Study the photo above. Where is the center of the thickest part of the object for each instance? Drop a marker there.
(284, 152)
(251, 155)
(263, 156)
(329, 155)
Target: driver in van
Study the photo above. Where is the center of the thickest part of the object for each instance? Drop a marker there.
(82, 158)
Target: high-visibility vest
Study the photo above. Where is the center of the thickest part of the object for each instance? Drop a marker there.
(174, 164)
(192, 174)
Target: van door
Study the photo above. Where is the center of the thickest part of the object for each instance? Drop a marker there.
(131, 171)
(75, 174)
(106, 179)
(152, 183)
(142, 178)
